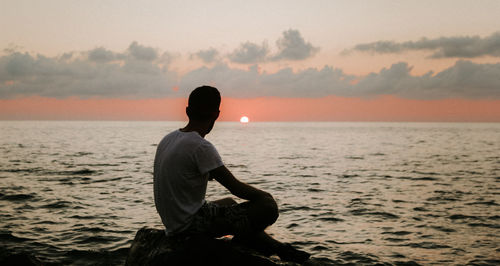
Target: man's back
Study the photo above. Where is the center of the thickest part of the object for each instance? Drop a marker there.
(182, 163)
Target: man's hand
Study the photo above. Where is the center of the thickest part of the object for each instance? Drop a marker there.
(236, 187)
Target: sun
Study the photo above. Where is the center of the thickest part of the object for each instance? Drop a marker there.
(244, 119)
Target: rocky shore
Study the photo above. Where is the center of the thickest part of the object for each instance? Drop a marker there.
(152, 247)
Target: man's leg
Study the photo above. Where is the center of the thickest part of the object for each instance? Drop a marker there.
(225, 202)
(258, 213)
(262, 213)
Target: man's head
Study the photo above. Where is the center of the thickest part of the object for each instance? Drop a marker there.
(203, 104)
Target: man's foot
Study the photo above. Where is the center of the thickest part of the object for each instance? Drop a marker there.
(288, 253)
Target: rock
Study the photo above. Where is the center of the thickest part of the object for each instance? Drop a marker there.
(21, 259)
(152, 247)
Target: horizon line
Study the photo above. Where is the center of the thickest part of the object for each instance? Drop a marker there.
(262, 121)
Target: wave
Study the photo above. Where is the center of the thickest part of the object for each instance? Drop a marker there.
(42, 171)
(366, 212)
(17, 197)
(495, 226)
(57, 205)
(97, 239)
(427, 245)
(9, 237)
(399, 233)
(488, 203)
(396, 240)
(464, 217)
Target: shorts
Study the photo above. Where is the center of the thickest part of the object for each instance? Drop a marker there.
(218, 220)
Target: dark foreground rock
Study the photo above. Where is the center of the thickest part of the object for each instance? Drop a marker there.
(21, 259)
(152, 247)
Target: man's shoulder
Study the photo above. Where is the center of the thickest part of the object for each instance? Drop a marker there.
(186, 139)
(173, 133)
(168, 137)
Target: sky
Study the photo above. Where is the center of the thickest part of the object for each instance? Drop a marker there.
(272, 60)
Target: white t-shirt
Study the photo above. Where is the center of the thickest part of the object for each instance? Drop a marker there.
(181, 166)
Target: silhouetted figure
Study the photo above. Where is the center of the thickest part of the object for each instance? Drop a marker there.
(184, 163)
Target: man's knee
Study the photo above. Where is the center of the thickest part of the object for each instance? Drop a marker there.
(262, 212)
(269, 210)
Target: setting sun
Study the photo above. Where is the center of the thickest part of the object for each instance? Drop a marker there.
(244, 119)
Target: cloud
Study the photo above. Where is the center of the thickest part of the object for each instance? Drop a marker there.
(135, 51)
(101, 55)
(12, 48)
(292, 46)
(167, 58)
(142, 73)
(66, 56)
(140, 52)
(462, 80)
(208, 56)
(465, 79)
(101, 73)
(443, 47)
(249, 53)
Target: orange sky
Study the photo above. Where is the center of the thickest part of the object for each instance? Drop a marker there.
(386, 108)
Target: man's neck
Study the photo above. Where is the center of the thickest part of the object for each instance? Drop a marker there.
(202, 127)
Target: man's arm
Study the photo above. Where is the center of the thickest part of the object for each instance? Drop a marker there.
(236, 187)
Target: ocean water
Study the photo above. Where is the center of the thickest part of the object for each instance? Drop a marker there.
(362, 193)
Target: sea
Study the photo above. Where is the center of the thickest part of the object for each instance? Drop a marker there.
(76, 192)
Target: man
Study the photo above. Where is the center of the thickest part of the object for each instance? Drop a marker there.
(184, 163)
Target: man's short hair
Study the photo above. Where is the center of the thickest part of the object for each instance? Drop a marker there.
(203, 102)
